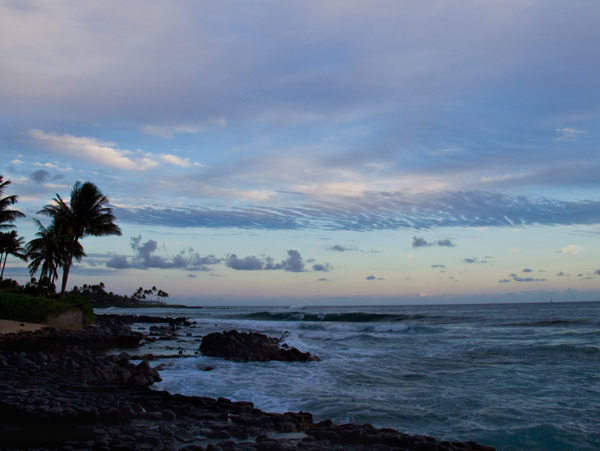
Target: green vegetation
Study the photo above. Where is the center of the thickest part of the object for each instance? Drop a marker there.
(32, 309)
(33, 302)
(98, 296)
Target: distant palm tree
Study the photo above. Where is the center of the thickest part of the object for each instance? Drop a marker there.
(86, 214)
(7, 216)
(11, 244)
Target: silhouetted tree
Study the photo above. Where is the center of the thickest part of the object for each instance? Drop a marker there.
(7, 217)
(48, 250)
(86, 214)
(11, 244)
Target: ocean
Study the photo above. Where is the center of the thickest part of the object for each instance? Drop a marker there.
(513, 376)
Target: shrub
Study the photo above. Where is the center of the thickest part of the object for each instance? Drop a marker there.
(31, 309)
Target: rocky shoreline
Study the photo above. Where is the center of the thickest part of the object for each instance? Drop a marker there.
(67, 390)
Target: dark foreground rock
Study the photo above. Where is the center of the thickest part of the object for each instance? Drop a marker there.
(71, 397)
(250, 347)
(100, 337)
(111, 319)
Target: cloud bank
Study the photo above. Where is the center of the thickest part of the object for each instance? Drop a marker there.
(145, 257)
(380, 211)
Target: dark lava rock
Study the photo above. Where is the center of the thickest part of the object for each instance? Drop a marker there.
(100, 337)
(250, 347)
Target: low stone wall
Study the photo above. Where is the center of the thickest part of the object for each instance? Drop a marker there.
(72, 319)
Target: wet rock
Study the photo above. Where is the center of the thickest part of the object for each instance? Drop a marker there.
(250, 347)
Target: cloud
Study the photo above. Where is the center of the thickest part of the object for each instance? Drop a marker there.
(597, 272)
(170, 131)
(474, 260)
(370, 277)
(104, 153)
(377, 211)
(439, 266)
(527, 270)
(244, 264)
(339, 248)
(516, 278)
(293, 263)
(40, 176)
(325, 267)
(145, 258)
(571, 249)
(177, 161)
(420, 242)
(118, 262)
(568, 133)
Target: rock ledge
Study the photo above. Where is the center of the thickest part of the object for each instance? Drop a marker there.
(250, 347)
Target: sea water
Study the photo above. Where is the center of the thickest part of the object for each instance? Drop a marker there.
(513, 376)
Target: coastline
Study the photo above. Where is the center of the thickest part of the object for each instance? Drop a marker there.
(69, 386)
(8, 326)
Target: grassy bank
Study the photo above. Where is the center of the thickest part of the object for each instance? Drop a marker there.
(31, 309)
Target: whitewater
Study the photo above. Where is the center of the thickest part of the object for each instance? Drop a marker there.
(513, 376)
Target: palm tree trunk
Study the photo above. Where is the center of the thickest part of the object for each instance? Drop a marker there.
(65, 277)
(67, 268)
(3, 265)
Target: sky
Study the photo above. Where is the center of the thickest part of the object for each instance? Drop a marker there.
(316, 152)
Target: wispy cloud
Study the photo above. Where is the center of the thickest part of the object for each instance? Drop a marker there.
(514, 277)
(104, 153)
(177, 161)
(379, 211)
(474, 260)
(421, 242)
(169, 131)
(340, 248)
(571, 249)
(568, 133)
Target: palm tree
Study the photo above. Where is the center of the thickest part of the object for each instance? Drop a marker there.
(11, 244)
(86, 214)
(48, 251)
(7, 216)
